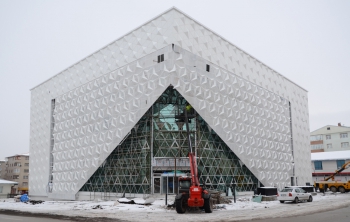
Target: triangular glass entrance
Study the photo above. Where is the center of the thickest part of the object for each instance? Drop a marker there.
(158, 144)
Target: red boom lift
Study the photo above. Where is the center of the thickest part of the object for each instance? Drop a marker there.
(191, 194)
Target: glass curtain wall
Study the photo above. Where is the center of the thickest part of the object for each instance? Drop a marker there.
(128, 169)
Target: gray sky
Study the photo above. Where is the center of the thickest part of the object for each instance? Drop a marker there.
(306, 41)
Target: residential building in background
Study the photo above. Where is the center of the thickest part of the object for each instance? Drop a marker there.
(17, 169)
(325, 164)
(6, 187)
(330, 138)
(111, 123)
(2, 169)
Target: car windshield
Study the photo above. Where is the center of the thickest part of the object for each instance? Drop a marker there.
(287, 190)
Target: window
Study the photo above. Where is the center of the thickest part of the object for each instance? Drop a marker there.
(328, 128)
(328, 137)
(318, 165)
(317, 146)
(161, 58)
(26, 164)
(329, 146)
(344, 145)
(26, 170)
(16, 170)
(25, 184)
(340, 163)
(25, 177)
(0, 189)
(316, 138)
(15, 177)
(27, 157)
(208, 68)
(344, 135)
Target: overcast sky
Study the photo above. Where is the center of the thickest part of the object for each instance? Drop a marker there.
(306, 41)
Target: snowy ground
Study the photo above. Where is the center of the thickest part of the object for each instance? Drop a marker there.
(244, 209)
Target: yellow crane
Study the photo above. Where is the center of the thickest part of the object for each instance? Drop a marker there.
(334, 186)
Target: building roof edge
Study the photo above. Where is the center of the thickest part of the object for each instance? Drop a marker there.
(172, 8)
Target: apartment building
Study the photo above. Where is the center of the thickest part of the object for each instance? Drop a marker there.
(2, 169)
(17, 169)
(330, 138)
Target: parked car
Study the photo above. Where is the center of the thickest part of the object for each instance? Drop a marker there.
(294, 194)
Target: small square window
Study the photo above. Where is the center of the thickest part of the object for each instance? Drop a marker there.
(328, 128)
(329, 146)
(318, 165)
(328, 137)
(161, 58)
(340, 163)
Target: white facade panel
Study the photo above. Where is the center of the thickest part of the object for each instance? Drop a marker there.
(142, 80)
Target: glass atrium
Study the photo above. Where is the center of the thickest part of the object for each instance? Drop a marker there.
(155, 153)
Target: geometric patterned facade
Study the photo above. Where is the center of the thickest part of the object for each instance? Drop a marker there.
(158, 136)
(259, 115)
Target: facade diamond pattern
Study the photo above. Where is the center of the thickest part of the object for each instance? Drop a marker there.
(100, 99)
(128, 168)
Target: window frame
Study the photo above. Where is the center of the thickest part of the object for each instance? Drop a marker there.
(340, 163)
(318, 165)
(343, 135)
(316, 137)
(342, 145)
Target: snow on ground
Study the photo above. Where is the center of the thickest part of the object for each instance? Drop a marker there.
(243, 209)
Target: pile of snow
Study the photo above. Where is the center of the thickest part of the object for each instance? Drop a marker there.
(156, 210)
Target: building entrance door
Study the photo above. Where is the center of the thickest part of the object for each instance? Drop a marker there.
(156, 185)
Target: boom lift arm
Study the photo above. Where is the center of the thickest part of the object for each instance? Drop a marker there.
(344, 167)
(195, 195)
(191, 154)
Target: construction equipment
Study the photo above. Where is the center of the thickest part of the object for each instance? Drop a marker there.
(191, 194)
(334, 186)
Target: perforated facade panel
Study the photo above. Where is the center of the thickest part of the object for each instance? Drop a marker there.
(99, 99)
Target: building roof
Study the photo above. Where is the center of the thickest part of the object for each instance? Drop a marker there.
(332, 129)
(336, 155)
(169, 37)
(7, 182)
(24, 154)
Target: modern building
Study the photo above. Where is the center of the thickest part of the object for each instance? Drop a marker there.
(6, 187)
(325, 164)
(111, 122)
(330, 138)
(17, 169)
(2, 169)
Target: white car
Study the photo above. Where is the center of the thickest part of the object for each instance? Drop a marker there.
(294, 194)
